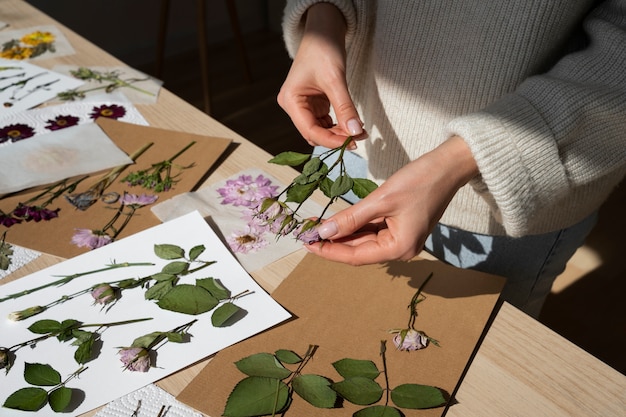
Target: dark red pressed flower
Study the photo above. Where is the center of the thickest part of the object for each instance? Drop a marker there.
(112, 112)
(8, 220)
(16, 132)
(61, 122)
(34, 213)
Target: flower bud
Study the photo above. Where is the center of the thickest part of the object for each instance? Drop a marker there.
(4, 357)
(103, 294)
(307, 232)
(24, 314)
(409, 339)
(135, 359)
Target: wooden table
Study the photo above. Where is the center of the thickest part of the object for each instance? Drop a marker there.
(522, 368)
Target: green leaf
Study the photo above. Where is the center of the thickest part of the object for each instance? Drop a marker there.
(359, 390)
(188, 299)
(257, 396)
(288, 356)
(84, 352)
(300, 192)
(312, 166)
(45, 326)
(195, 252)
(417, 396)
(325, 186)
(378, 411)
(27, 399)
(60, 398)
(166, 251)
(222, 315)
(175, 337)
(176, 268)
(214, 287)
(42, 375)
(290, 158)
(262, 364)
(362, 187)
(162, 276)
(315, 390)
(158, 290)
(348, 368)
(146, 340)
(342, 185)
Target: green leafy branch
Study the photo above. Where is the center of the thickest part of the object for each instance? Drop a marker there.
(35, 398)
(111, 80)
(269, 386)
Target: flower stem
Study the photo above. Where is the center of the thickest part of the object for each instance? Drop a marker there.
(69, 278)
(383, 350)
(415, 300)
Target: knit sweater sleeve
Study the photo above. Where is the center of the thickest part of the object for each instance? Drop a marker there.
(559, 132)
(293, 22)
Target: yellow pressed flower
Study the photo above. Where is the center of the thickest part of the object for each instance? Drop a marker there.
(38, 37)
(17, 53)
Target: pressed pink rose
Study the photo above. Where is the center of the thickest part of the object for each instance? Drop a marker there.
(103, 294)
(410, 340)
(135, 359)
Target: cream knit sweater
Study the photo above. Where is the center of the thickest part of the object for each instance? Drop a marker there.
(537, 89)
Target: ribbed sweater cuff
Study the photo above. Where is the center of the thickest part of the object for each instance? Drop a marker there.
(517, 157)
(293, 24)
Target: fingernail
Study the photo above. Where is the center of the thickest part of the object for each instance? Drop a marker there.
(354, 127)
(327, 230)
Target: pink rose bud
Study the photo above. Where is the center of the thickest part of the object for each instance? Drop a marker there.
(4, 357)
(135, 359)
(103, 294)
(410, 340)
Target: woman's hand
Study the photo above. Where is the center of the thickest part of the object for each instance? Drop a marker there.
(317, 81)
(393, 222)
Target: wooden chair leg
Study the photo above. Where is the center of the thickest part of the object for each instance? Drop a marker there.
(234, 23)
(204, 54)
(162, 31)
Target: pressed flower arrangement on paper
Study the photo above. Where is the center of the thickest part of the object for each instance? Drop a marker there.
(34, 42)
(131, 312)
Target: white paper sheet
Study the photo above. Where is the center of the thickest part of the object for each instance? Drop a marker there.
(61, 154)
(24, 85)
(105, 379)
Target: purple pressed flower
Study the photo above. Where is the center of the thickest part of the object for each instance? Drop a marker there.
(248, 240)
(92, 239)
(7, 220)
(16, 132)
(112, 111)
(410, 339)
(4, 357)
(61, 122)
(34, 213)
(247, 192)
(135, 359)
(307, 232)
(103, 294)
(283, 225)
(138, 200)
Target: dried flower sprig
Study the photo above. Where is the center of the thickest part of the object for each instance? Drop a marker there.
(28, 46)
(314, 176)
(138, 357)
(409, 338)
(269, 386)
(36, 208)
(96, 238)
(86, 199)
(64, 331)
(111, 80)
(159, 176)
(68, 278)
(35, 398)
(6, 252)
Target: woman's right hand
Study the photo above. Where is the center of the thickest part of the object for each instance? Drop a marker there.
(317, 80)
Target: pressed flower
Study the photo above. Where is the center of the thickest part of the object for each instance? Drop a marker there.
(34, 213)
(112, 111)
(246, 191)
(138, 200)
(409, 339)
(248, 240)
(16, 132)
(136, 359)
(26, 313)
(61, 122)
(8, 220)
(4, 357)
(92, 239)
(38, 37)
(17, 53)
(103, 294)
(307, 232)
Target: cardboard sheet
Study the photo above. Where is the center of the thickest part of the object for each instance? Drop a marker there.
(347, 311)
(54, 236)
